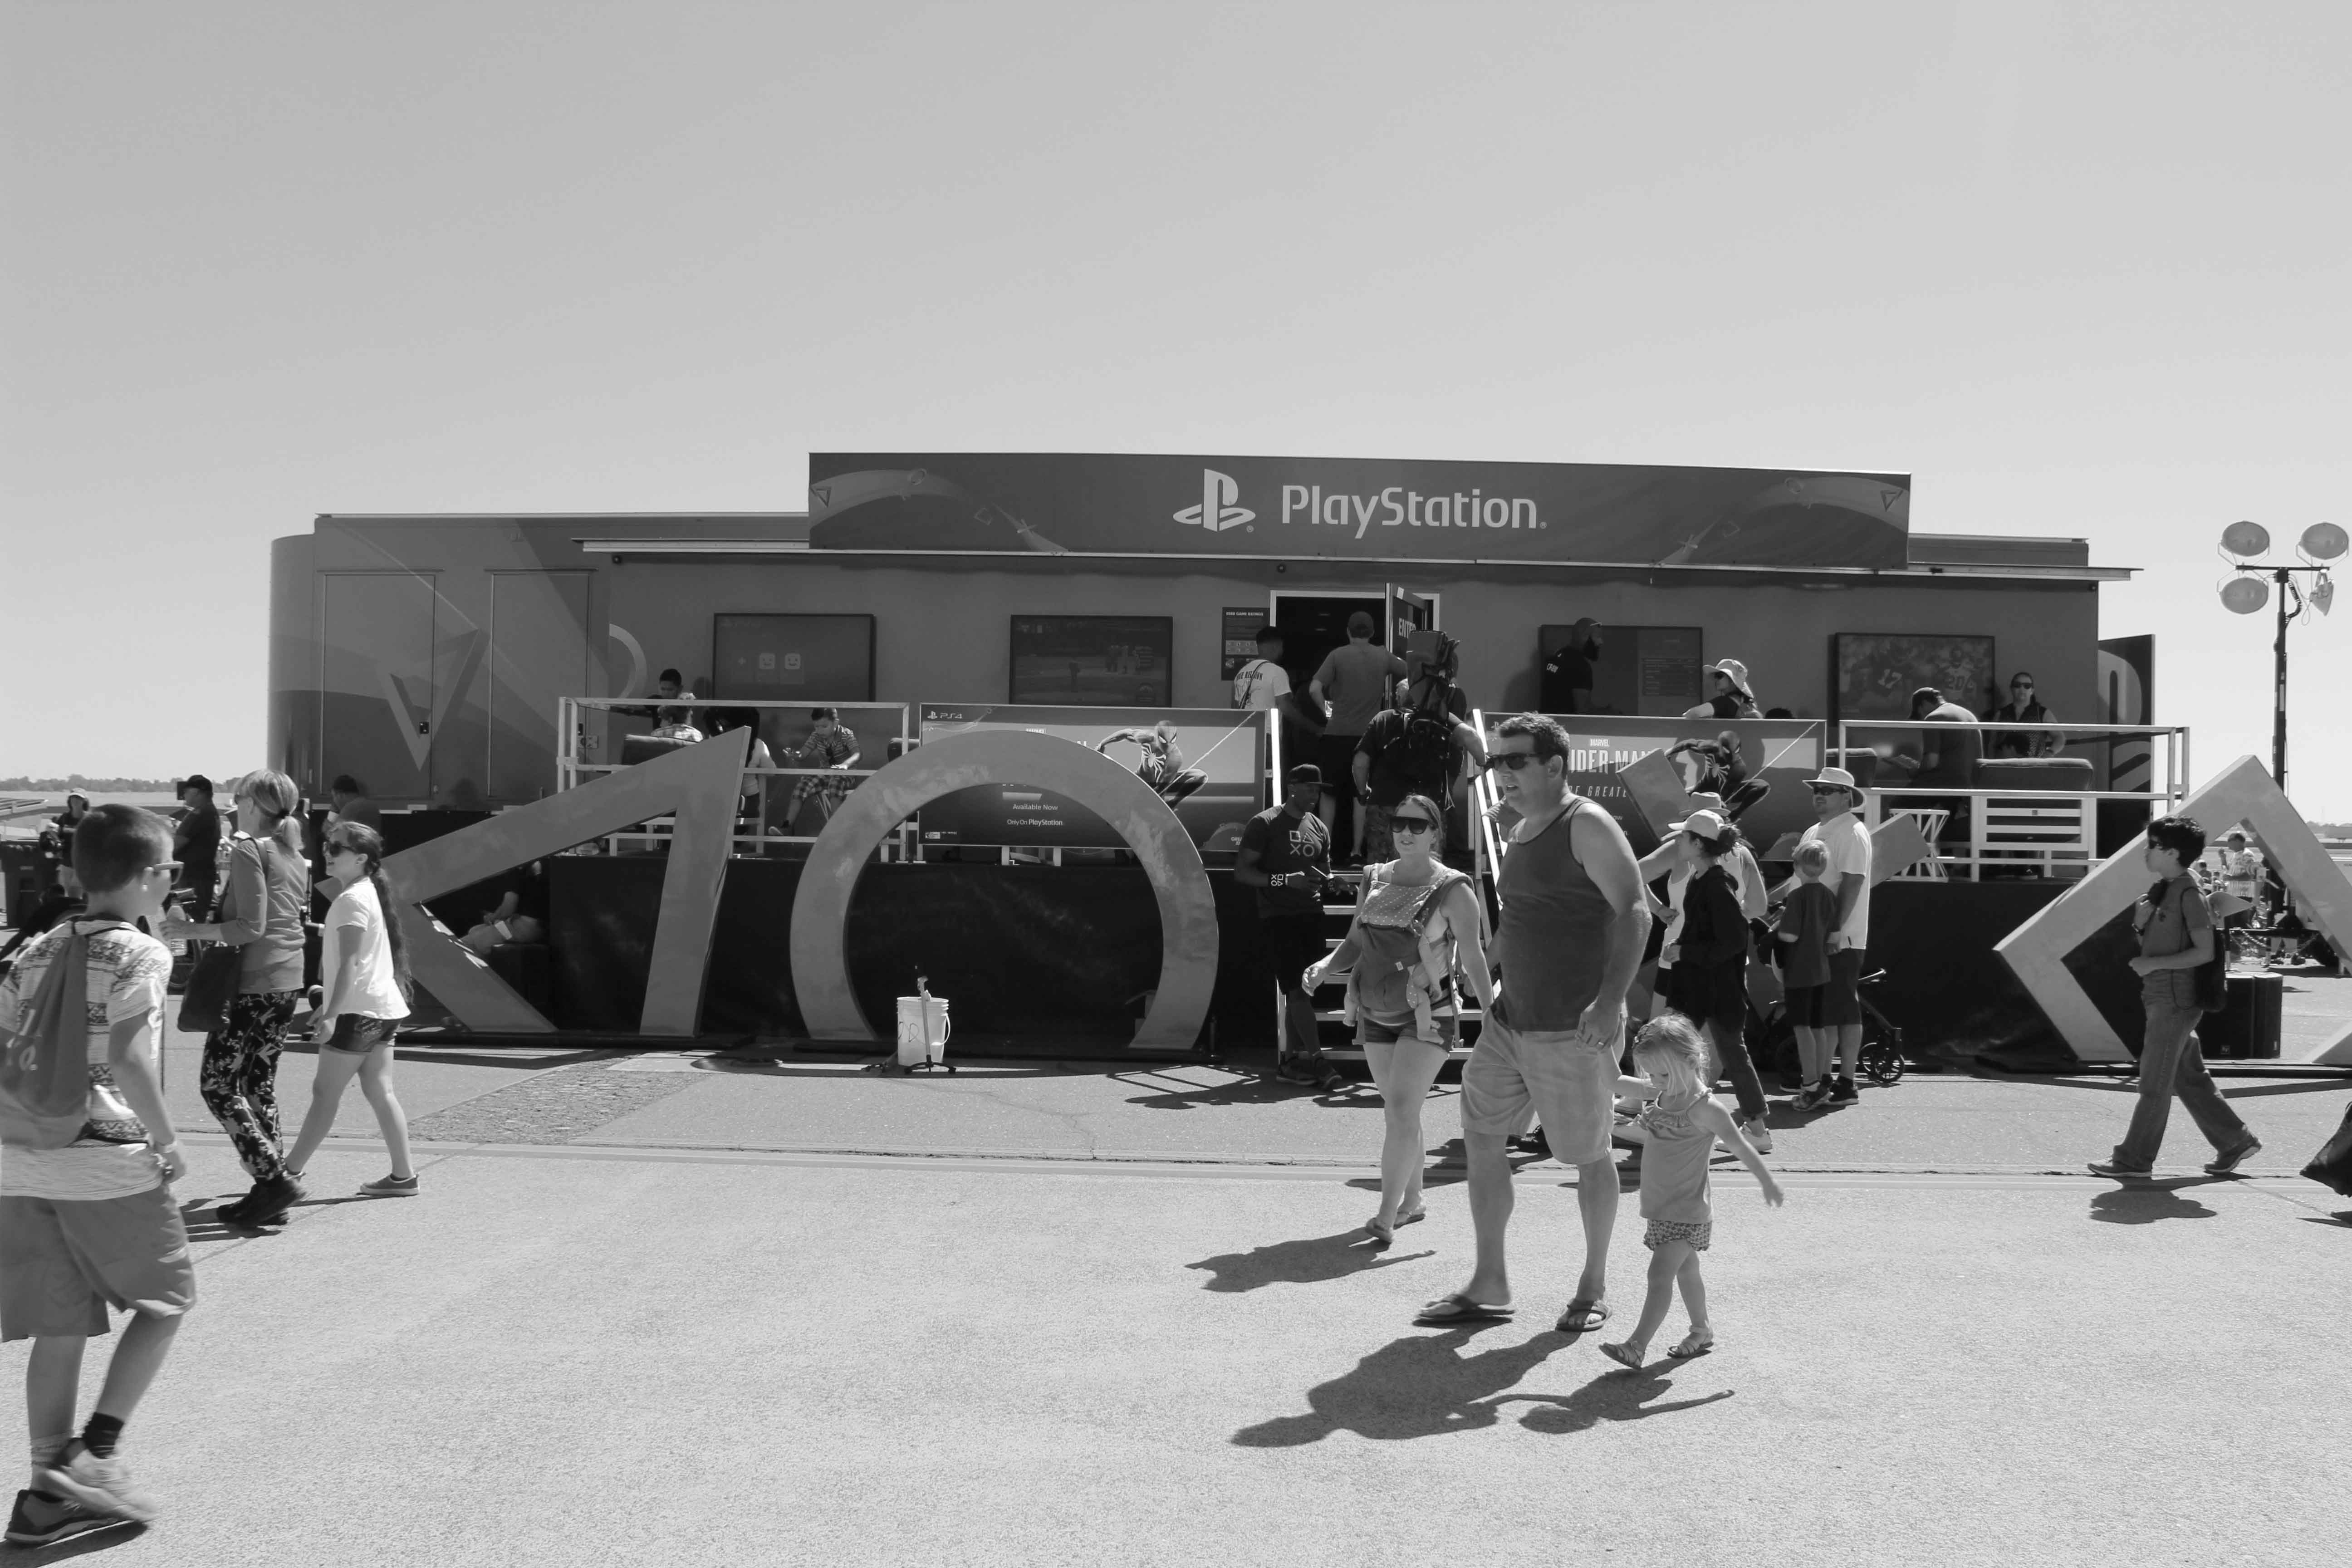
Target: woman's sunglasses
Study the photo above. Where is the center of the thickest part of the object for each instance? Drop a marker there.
(1410, 824)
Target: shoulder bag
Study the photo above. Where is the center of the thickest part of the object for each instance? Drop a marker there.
(212, 984)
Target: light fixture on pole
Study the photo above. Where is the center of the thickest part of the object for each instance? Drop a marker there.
(2247, 590)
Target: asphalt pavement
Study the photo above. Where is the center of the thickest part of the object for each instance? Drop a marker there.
(1088, 1316)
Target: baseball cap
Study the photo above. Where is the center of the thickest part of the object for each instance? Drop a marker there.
(1306, 773)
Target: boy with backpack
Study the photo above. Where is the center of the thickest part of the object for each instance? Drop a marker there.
(87, 1157)
(2182, 975)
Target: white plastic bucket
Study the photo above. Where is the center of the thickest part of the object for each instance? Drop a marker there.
(922, 1029)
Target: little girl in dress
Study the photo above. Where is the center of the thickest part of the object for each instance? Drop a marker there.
(1683, 1124)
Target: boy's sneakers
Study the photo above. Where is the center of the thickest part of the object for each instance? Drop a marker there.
(390, 1187)
(40, 1520)
(1816, 1097)
(1842, 1092)
(95, 1483)
(1757, 1134)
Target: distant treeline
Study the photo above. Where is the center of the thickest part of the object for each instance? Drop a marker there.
(75, 781)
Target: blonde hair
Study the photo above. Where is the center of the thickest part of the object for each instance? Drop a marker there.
(1670, 1049)
(274, 794)
(1813, 856)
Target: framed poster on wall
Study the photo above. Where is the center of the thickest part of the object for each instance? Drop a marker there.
(782, 657)
(1653, 671)
(1093, 661)
(1872, 674)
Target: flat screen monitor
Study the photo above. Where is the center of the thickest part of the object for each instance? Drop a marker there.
(1872, 674)
(1652, 670)
(793, 657)
(1093, 661)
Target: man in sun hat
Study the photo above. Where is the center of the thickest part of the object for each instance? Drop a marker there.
(1838, 829)
(1731, 698)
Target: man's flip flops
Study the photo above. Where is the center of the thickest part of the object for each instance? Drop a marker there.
(1582, 1317)
(1460, 1309)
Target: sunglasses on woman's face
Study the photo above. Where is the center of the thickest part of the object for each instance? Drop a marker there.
(1514, 761)
(1410, 824)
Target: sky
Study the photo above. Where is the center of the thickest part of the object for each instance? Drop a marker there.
(2082, 269)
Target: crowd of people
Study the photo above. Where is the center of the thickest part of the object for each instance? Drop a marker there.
(1611, 989)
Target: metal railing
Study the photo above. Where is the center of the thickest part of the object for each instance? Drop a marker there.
(2051, 829)
(755, 829)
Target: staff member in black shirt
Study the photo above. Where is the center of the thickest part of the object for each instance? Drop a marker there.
(1286, 855)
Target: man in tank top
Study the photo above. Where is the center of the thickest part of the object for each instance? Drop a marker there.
(1574, 919)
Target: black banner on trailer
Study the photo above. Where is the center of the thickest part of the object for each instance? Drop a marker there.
(1206, 762)
(1367, 508)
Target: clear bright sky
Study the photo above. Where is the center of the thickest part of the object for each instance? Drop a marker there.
(2081, 268)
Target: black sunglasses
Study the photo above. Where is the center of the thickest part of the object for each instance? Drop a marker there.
(1514, 761)
(1410, 824)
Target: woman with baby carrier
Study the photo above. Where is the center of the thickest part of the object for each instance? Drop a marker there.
(1417, 923)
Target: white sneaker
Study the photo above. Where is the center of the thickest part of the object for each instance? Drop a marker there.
(1758, 1134)
(102, 1485)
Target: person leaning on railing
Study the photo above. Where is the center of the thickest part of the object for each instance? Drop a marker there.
(2022, 708)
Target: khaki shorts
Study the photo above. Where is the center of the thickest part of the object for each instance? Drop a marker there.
(63, 1263)
(1572, 1085)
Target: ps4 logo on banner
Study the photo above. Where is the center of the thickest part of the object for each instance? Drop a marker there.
(1217, 512)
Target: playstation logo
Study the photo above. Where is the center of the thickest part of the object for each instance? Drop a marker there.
(1217, 512)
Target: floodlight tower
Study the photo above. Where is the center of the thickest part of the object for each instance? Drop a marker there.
(2245, 591)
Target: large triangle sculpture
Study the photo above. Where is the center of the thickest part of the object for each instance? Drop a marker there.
(2242, 792)
(700, 784)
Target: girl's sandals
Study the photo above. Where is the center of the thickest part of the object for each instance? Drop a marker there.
(1625, 1355)
(1414, 1217)
(1693, 1344)
(1382, 1231)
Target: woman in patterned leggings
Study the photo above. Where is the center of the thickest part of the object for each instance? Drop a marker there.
(266, 883)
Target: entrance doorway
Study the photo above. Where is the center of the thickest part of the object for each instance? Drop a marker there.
(1313, 623)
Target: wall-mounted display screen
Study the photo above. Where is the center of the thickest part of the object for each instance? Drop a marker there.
(1205, 762)
(784, 657)
(1622, 669)
(1093, 660)
(1872, 674)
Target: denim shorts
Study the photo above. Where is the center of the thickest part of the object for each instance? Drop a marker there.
(356, 1034)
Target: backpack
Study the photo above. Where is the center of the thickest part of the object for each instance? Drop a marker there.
(1427, 746)
(45, 1089)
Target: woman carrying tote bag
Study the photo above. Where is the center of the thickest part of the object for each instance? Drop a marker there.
(264, 885)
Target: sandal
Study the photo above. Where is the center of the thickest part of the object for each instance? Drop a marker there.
(1582, 1317)
(1692, 1346)
(1416, 1217)
(1383, 1230)
(1625, 1356)
(1460, 1309)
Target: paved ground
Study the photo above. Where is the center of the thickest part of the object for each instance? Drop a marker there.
(626, 1321)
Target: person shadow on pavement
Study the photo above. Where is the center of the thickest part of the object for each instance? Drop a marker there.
(2145, 1203)
(1423, 1387)
(1310, 1260)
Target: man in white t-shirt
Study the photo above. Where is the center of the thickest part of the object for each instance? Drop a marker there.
(87, 1220)
(1262, 683)
(1837, 827)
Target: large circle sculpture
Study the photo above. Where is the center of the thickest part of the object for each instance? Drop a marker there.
(1188, 910)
